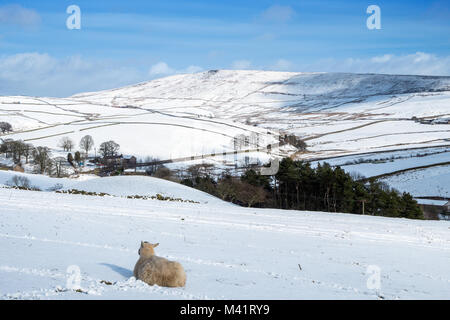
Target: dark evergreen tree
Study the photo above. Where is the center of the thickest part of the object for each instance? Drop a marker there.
(70, 158)
(77, 157)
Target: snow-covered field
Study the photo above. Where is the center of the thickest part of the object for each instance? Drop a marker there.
(431, 181)
(228, 252)
(374, 164)
(120, 186)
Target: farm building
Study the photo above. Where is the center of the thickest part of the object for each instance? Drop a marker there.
(435, 209)
(447, 207)
(119, 160)
(18, 168)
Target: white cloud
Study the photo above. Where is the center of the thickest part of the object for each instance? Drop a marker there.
(15, 14)
(192, 69)
(42, 75)
(163, 69)
(277, 13)
(419, 63)
(39, 74)
(422, 57)
(282, 65)
(241, 65)
(382, 59)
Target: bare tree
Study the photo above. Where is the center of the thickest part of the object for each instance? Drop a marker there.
(17, 149)
(193, 171)
(201, 170)
(66, 143)
(163, 173)
(5, 127)
(249, 194)
(109, 148)
(153, 166)
(86, 144)
(41, 158)
(19, 181)
(28, 151)
(295, 141)
(243, 193)
(6, 147)
(58, 166)
(240, 141)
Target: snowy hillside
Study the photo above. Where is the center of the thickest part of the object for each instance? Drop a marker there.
(121, 186)
(300, 91)
(201, 113)
(182, 116)
(375, 164)
(421, 172)
(228, 252)
(430, 182)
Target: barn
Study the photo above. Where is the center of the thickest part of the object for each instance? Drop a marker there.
(435, 209)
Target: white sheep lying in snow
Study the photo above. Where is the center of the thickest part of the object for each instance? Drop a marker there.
(157, 270)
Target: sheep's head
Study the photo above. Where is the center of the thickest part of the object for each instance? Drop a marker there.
(146, 249)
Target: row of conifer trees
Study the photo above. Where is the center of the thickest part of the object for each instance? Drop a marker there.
(299, 186)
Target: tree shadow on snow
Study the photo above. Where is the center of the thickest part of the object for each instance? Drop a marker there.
(122, 271)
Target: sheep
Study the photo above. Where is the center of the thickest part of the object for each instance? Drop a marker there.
(157, 270)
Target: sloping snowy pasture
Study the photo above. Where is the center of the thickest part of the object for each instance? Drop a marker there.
(119, 186)
(434, 181)
(421, 172)
(228, 252)
(374, 164)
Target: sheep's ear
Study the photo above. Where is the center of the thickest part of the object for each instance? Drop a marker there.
(155, 245)
(142, 244)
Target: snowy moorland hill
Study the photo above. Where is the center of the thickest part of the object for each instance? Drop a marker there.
(228, 252)
(194, 114)
(300, 91)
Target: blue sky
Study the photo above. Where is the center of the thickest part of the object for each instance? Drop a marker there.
(122, 42)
